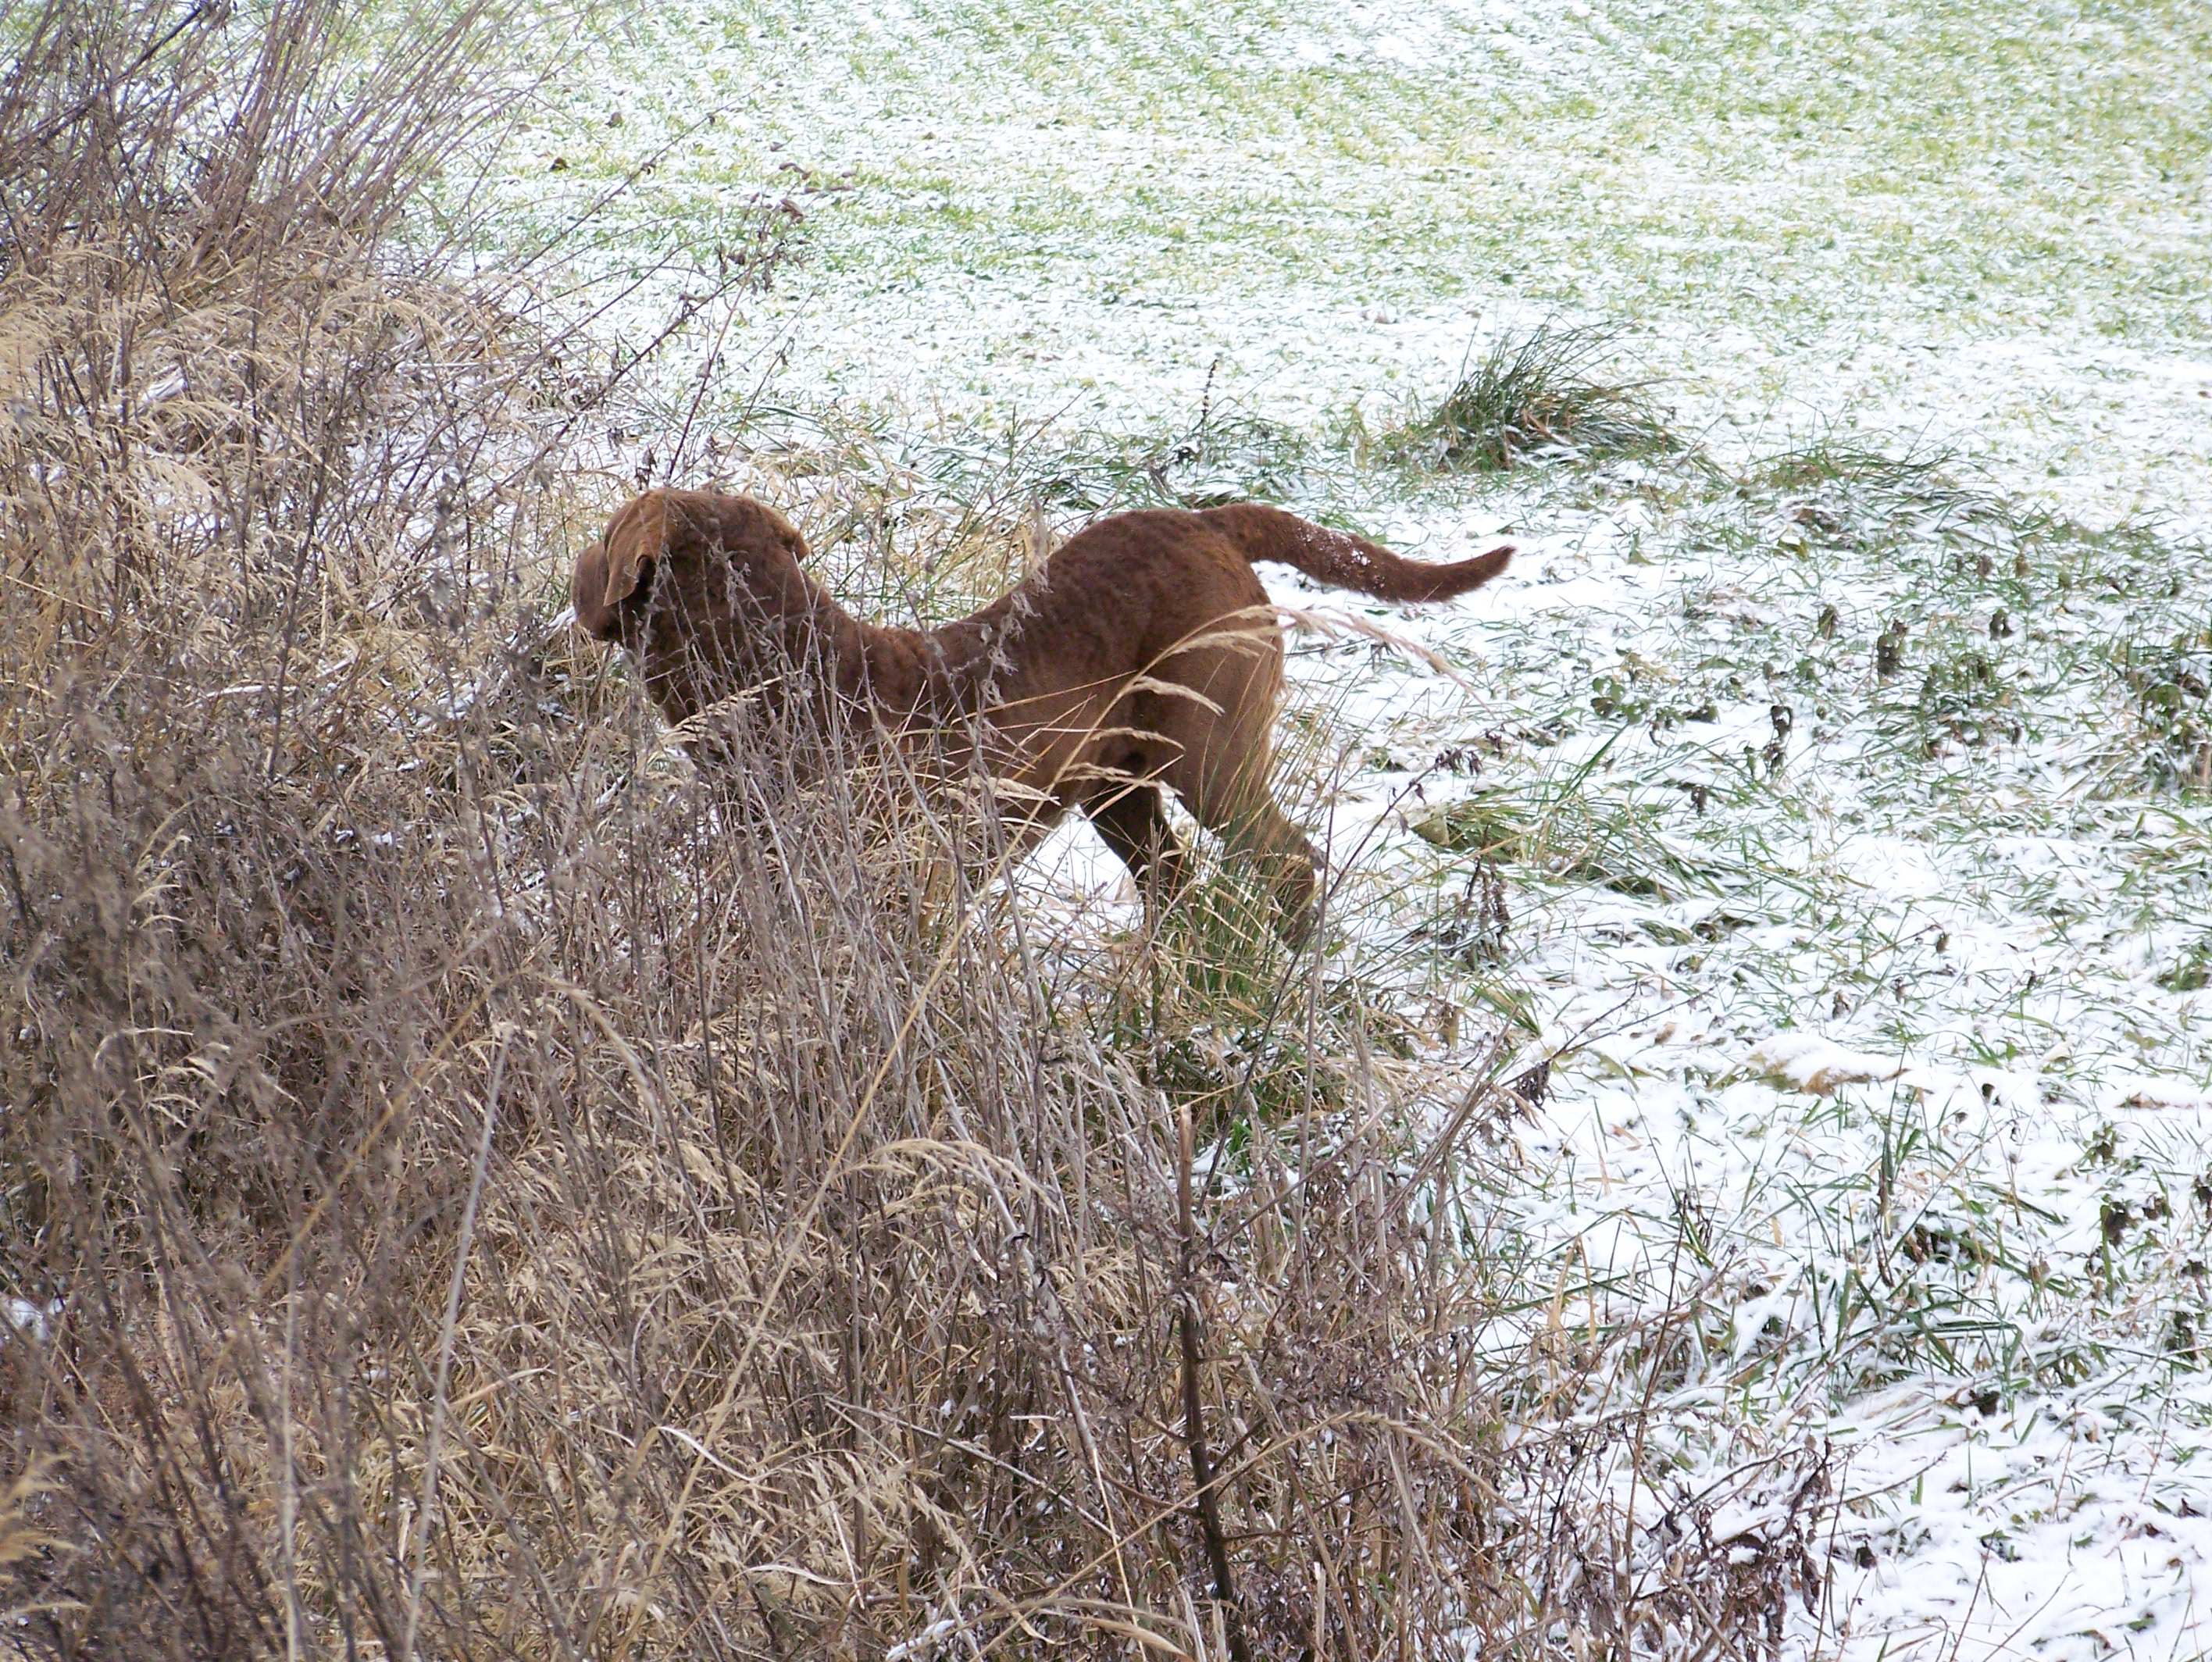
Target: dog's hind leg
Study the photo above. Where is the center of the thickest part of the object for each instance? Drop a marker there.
(1131, 819)
(1261, 833)
(1236, 806)
(1220, 761)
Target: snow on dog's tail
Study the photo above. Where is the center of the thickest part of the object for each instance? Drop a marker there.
(1345, 561)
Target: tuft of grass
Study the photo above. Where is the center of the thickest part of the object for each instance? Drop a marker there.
(1861, 468)
(1228, 454)
(1566, 828)
(1530, 396)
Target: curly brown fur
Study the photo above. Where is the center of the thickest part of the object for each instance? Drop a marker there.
(1143, 656)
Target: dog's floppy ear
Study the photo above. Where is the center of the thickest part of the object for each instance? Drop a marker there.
(637, 537)
(609, 572)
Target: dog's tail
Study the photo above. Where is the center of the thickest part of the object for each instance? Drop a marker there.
(1345, 561)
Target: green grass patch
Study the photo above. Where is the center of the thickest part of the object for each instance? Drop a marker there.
(1543, 394)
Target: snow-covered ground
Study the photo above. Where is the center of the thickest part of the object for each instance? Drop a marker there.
(1868, 1023)
(1852, 817)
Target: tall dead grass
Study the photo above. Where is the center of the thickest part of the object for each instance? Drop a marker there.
(490, 1192)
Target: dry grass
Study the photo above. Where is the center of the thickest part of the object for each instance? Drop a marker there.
(507, 1197)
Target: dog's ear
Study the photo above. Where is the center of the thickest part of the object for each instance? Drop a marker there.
(609, 571)
(637, 536)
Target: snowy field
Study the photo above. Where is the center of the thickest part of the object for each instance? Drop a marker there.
(1846, 764)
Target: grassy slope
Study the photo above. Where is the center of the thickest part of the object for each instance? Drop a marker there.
(1851, 187)
(1821, 164)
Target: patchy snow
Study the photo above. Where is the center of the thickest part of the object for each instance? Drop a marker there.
(1916, 1043)
(1807, 1063)
(1033, 210)
(1878, 998)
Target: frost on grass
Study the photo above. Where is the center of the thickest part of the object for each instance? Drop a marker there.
(1851, 824)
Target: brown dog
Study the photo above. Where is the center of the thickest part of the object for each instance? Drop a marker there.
(1144, 655)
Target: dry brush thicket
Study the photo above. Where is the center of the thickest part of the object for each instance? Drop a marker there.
(472, 1189)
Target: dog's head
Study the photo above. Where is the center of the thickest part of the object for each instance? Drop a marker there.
(706, 591)
(689, 555)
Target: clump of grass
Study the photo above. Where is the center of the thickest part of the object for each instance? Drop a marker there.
(1914, 504)
(2161, 664)
(1228, 454)
(1540, 393)
(1859, 467)
(1563, 828)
